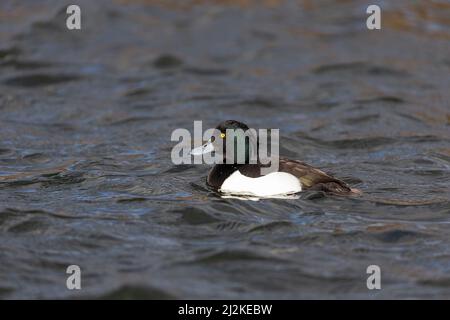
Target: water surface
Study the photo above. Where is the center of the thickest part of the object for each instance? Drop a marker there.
(85, 171)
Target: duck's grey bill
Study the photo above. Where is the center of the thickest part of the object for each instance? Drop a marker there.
(206, 148)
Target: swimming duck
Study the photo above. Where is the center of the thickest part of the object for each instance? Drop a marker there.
(245, 178)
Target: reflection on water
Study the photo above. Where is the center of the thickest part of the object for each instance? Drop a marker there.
(85, 171)
(255, 198)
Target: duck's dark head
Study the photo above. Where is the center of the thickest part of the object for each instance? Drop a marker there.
(231, 124)
(234, 136)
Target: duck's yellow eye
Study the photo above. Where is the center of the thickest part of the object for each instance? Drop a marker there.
(222, 135)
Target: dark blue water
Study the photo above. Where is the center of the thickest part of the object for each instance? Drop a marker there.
(85, 170)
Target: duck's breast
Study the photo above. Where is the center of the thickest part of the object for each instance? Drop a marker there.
(275, 183)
